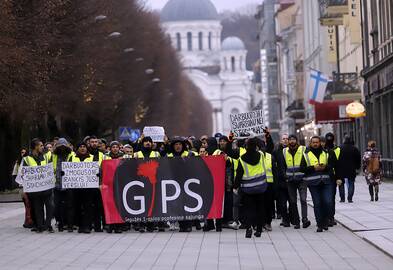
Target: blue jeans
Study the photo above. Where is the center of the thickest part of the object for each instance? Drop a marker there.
(323, 202)
(351, 189)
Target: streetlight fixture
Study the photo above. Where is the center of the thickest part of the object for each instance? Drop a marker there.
(149, 71)
(114, 35)
(156, 80)
(128, 50)
(100, 18)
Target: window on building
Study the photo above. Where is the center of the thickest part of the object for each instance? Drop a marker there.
(210, 40)
(200, 41)
(178, 41)
(189, 41)
(235, 111)
(233, 64)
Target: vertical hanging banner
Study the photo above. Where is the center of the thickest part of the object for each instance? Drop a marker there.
(332, 44)
(355, 21)
(165, 189)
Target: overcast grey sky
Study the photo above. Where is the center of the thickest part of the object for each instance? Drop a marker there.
(220, 4)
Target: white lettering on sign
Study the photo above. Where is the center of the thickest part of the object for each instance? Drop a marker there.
(246, 122)
(79, 175)
(37, 178)
(157, 134)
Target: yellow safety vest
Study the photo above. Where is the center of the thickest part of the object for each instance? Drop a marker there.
(254, 177)
(74, 158)
(153, 154)
(184, 154)
(30, 161)
(337, 151)
(293, 163)
(269, 167)
(312, 160)
(55, 157)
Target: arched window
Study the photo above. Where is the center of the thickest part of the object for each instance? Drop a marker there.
(233, 64)
(178, 41)
(200, 41)
(210, 40)
(189, 41)
(225, 63)
(235, 111)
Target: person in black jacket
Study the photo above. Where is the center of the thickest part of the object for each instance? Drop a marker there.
(316, 165)
(348, 162)
(253, 210)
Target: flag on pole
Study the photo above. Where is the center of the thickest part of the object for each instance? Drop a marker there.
(316, 86)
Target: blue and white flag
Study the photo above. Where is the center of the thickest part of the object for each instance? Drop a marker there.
(316, 86)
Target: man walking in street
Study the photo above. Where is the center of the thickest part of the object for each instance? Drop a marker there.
(316, 166)
(348, 161)
(293, 155)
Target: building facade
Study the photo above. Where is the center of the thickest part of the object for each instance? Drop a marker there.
(217, 67)
(289, 25)
(270, 102)
(377, 31)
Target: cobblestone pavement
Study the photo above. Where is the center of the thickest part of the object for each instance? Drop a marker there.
(283, 248)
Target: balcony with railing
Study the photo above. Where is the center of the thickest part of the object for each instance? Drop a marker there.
(332, 11)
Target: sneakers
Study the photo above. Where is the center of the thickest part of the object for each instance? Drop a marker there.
(233, 225)
(319, 229)
(268, 227)
(306, 223)
(297, 226)
(248, 233)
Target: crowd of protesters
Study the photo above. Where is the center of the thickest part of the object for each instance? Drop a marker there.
(262, 181)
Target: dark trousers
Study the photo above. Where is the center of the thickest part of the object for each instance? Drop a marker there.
(268, 203)
(98, 210)
(351, 189)
(254, 211)
(85, 204)
(43, 208)
(322, 199)
(60, 197)
(228, 207)
(293, 188)
(283, 201)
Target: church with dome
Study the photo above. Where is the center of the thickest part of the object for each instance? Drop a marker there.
(216, 66)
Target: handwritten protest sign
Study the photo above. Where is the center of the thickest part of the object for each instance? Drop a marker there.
(156, 133)
(243, 123)
(37, 178)
(80, 175)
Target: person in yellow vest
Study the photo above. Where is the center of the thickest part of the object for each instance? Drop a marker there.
(334, 152)
(318, 172)
(178, 148)
(98, 208)
(81, 200)
(293, 155)
(43, 199)
(61, 154)
(146, 151)
(251, 180)
(271, 168)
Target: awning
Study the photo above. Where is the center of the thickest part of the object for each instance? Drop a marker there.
(330, 112)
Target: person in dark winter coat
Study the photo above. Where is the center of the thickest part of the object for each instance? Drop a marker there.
(348, 162)
(253, 195)
(282, 186)
(318, 174)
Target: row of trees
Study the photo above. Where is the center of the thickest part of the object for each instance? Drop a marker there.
(71, 68)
